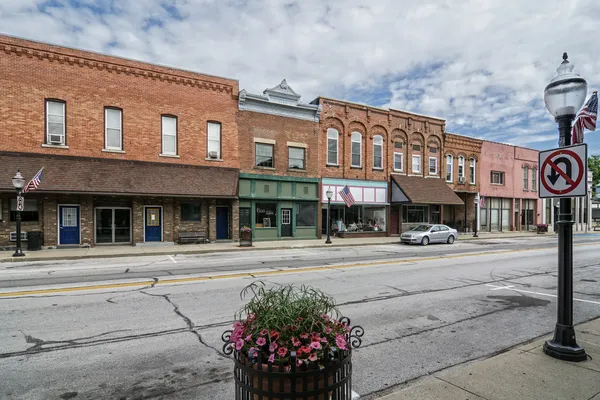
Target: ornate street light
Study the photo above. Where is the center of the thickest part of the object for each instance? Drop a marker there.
(18, 182)
(564, 96)
(329, 195)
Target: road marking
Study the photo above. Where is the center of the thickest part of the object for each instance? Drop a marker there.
(538, 293)
(172, 259)
(256, 274)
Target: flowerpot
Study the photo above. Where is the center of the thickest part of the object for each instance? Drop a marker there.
(245, 239)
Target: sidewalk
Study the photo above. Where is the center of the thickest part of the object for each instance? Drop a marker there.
(170, 249)
(524, 372)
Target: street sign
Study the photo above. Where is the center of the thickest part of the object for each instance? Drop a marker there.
(20, 203)
(563, 172)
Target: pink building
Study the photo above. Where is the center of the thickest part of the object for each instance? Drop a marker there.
(508, 186)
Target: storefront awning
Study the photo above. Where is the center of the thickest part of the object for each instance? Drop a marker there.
(64, 174)
(419, 190)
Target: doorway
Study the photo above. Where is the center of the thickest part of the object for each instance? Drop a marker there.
(152, 224)
(222, 223)
(68, 225)
(113, 225)
(286, 222)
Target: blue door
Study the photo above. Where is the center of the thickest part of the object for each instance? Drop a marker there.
(153, 224)
(68, 224)
(222, 223)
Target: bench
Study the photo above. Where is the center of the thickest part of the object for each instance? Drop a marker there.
(192, 237)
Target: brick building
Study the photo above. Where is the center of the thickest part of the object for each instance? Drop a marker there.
(279, 164)
(389, 160)
(133, 152)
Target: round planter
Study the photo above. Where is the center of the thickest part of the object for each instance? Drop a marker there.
(245, 239)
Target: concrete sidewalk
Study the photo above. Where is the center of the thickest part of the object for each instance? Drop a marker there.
(170, 249)
(524, 372)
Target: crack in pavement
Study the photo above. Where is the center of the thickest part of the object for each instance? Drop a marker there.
(39, 343)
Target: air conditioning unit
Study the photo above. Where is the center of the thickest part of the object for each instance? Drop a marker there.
(13, 236)
(212, 154)
(462, 179)
(55, 139)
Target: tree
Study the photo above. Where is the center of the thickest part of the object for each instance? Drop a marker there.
(594, 166)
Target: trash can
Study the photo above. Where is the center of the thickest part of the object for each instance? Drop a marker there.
(34, 240)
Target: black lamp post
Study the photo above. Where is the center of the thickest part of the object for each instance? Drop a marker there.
(329, 195)
(564, 96)
(476, 215)
(18, 182)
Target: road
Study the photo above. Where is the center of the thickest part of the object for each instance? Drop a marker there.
(423, 309)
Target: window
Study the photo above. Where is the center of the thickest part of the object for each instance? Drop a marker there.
(472, 164)
(169, 135)
(378, 152)
(306, 214)
(356, 149)
(214, 140)
(266, 215)
(432, 149)
(398, 157)
(525, 178)
(416, 164)
(332, 146)
(296, 158)
(497, 178)
(415, 214)
(433, 166)
(416, 147)
(190, 212)
(449, 168)
(113, 129)
(29, 213)
(55, 122)
(375, 218)
(264, 155)
(534, 179)
(461, 167)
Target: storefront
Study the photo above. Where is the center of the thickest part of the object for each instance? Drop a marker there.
(279, 207)
(495, 214)
(366, 217)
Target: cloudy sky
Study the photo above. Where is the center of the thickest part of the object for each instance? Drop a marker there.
(480, 64)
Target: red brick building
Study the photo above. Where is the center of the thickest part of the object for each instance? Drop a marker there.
(132, 152)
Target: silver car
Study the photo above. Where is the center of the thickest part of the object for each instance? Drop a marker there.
(428, 233)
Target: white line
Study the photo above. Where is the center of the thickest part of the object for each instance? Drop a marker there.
(539, 294)
(172, 259)
(503, 287)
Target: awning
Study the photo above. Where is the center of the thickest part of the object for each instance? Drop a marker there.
(65, 174)
(419, 190)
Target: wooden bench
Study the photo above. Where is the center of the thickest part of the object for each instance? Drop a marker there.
(192, 237)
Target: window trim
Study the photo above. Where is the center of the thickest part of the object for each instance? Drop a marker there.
(289, 158)
(352, 142)
(220, 151)
(375, 139)
(106, 108)
(272, 146)
(472, 164)
(461, 163)
(64, 134)
(162, 135)
(436, 166)
(526, 178)
(401, 153)
(451, 157)
(198, 203)
(534, 179)
(500, 175)
(412, 165)
(337, 146)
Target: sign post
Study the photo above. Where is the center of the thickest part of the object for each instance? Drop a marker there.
(20, 203)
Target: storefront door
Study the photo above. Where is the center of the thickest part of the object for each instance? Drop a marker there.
(113, 225)
(68, 224)
(395, 220)
(153, 225)
(222, 223)
(286, 222)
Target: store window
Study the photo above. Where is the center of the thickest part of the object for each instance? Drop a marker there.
(190, 212)
(306, 214)
(483, 213)
(30, 213)
(374, 217)
(415, 214)
(266, 215)
(358, 219)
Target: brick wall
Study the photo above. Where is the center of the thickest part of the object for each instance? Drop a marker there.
(32, 72)
(457, 146)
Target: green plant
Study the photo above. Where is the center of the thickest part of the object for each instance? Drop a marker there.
(245, 228)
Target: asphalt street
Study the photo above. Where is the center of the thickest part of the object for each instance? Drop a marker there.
(423, 309)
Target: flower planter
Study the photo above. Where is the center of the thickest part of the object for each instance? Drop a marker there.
(246, 239)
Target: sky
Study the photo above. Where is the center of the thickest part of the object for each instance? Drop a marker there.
(480, 64)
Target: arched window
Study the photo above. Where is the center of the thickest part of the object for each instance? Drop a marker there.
(461, 167)
(378, 152)
(534, 179)
(472, 164)
(332, 146)
(356, 149)
(449, 168)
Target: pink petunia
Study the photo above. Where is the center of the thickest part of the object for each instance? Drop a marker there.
(298, 362)
(325, 317)
(252, 352)
(313, 357)
(239, 345)
(271, 358)
(296, 342)
(303, 349)
(340, 342)
(248, 338)
(237, 325)
(264, 332)
(261, 341)
(328, 330)
(323, 340)
(272, 347)
(282, 351)
(304, 336)
(315, 345)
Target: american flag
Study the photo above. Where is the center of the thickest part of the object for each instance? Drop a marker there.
(482, 201)
(347, 196)
(586, 119)
(34, 182)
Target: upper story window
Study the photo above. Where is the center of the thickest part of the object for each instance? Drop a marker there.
(472, 164)
(398, 157)
(416, 147)
(525, 178)
(296, 158)
(378, 152)
(416, 164)
(461, 167)
(449, 168)
(497, 178)
(169, 135)
(332, 146)
(534, 179)
(264, 155)
(356, 140)
(432, 149)
(433, 166)
(214, 140)
(55, 122)
(113, 128)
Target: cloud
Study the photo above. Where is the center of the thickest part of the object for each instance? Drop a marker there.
(482, 65)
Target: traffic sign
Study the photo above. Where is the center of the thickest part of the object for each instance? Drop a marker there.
(563, 172)
(20, 203)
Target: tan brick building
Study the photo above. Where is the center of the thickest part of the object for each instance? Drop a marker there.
(279, 164)
(132, 152)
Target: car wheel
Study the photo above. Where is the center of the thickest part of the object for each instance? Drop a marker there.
(425, 241)
(450, 239)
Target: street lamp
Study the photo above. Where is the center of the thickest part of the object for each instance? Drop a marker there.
(18, 182)
(476, 215)
(329, 195)
(564, 96)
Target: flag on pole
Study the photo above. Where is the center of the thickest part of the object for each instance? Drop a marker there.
(347, 196)
(482, 201)
(34, 182)
(586, 119)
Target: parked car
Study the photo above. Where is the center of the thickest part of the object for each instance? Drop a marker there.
(429, 233)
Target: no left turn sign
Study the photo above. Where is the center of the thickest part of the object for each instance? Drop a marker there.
(563, 172)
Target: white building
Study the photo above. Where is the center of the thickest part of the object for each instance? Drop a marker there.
(581, 211)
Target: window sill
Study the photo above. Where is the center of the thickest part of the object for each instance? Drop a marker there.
(113, 151)
(355, 167)
(169, 155)
(332, 165)
(417, 174)
(214, 159)
(497, 184)
(55, 146)
(296, 170)
(267, 168)
(434, 175)
(377, 169)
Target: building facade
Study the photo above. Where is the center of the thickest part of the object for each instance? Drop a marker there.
(133, 153)
(279, 164)
(508, 188)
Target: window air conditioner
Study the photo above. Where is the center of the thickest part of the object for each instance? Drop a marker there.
(55, 139)
(212, 154)
(462, 179)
